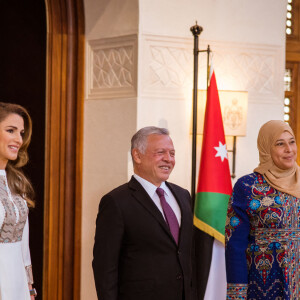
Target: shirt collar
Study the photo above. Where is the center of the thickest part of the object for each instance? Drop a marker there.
(150, 187)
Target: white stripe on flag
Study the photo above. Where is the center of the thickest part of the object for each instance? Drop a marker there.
(216, 285)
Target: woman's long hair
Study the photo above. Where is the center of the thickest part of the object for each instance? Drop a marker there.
(17, 181)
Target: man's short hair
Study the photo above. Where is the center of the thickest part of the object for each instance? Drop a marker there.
(139, 140)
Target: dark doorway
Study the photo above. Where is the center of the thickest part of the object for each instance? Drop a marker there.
(23, 34)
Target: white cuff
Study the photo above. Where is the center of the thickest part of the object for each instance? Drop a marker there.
(29, 274)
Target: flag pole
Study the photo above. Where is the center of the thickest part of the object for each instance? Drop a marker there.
(208, 67)
(196, 30)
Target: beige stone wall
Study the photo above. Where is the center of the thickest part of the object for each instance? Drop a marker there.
(110, 112)
(108, 127)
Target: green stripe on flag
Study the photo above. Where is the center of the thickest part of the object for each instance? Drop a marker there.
(210, 213)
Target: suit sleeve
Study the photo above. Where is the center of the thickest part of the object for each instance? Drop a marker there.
(108, 240)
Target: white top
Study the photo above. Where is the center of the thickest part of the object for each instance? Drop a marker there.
(2, 210)
(150, 188)
(15, 261)
(25, 236)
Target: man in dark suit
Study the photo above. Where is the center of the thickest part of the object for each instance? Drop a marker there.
(143, 240)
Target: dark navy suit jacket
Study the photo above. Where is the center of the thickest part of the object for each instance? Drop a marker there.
(135, 255)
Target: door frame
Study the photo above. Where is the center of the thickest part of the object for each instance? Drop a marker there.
(64, 147)
(292, 60)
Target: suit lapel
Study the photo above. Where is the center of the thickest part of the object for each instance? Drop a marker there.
(144, 199)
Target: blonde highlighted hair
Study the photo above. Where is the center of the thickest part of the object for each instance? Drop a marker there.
(17, 181)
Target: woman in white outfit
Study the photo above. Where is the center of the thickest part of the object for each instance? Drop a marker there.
(16, 196)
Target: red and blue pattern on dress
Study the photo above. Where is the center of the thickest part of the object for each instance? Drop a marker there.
(262, 242)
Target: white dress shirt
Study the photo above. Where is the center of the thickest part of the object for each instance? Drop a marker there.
(150, 188)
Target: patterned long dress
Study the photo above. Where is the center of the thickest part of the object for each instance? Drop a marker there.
(262, 242)
(15, 262)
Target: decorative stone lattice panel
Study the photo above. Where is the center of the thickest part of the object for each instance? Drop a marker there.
(168, 68)
(112, 68)
(256, 69)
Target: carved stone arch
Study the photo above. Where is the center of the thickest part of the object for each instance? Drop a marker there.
(63, 153)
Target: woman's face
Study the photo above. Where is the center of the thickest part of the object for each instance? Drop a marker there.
(284, 151)
(11, 138)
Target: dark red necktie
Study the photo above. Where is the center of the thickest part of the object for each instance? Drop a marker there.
(169, 214)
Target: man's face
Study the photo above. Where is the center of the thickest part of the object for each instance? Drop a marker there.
(158, 161)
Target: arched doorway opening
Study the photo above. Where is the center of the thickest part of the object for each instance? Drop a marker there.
(42, 69)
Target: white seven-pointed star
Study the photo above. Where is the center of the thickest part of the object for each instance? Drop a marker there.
(221, 151)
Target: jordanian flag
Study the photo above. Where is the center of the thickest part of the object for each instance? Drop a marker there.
(214, 182)
(213, 192)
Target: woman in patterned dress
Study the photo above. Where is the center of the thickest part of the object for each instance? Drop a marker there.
(263, 222)
(16, 196)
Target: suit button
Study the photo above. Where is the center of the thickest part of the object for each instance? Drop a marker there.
(178, 252)
(179, 277)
